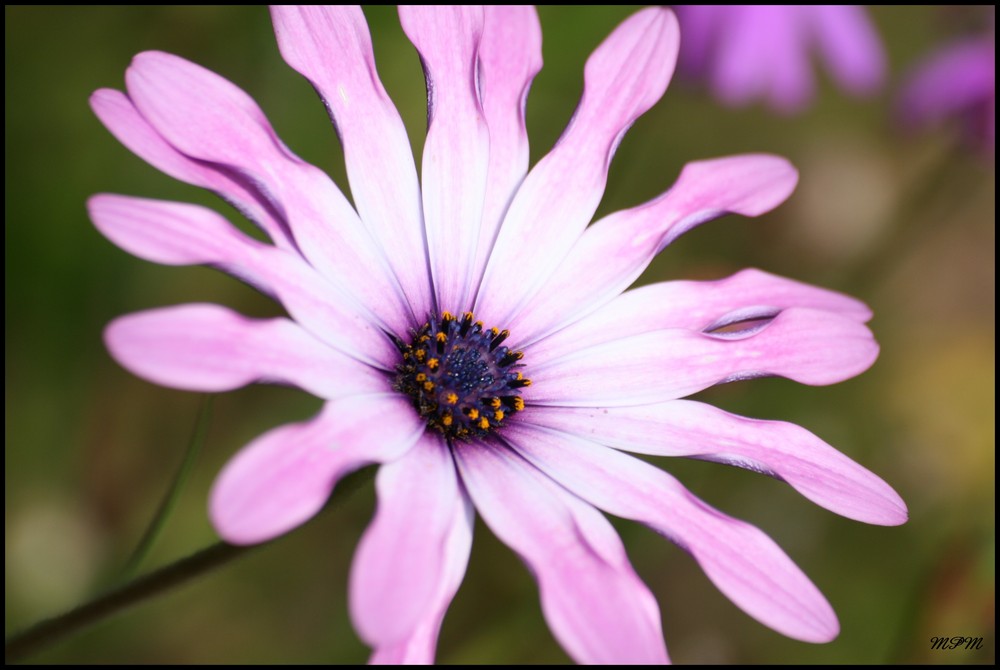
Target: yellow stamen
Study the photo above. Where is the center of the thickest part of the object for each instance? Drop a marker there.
(421, 377)
(495, 403)
(498, 415)
(446, 316)
(446, 419)
(518, 404)
(433, 364)
(441, 337)
(451, 398)
(484, 423)
(428, 386)
(473, 413)
(419, 354)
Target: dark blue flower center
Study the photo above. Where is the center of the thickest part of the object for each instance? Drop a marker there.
(463, 381)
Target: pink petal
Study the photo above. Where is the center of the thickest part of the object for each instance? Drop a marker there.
(740, 69)
(792, 83)
(510, 56)
(850, 46)
(745, 564)
(595, 604)
(282, 478)
(951, 80)
(120, 116)
(400, 562)
(783, 450)
(183, 234)
(623, 78)
(805, 345)
(419, 647)
(457, 149)
(331, 47)
(210, 119)
(613, 252)
(211, 348)
(695, 305)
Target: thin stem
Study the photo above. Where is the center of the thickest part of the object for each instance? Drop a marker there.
(49, 630)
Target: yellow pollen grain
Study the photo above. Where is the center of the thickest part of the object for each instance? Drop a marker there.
(451, 398)
(519, 375)
(425, 338)
(473, 413)
(421, 377)
(440, 337)
(467, 315)
(480, 324)
(428, 386)
(498, 415)
(420, 353)
(527, 382)
(495, 403)
(433, 363)
(484, 423)
(446, 316)
(518, 404)
(446, 419)
(494, 331)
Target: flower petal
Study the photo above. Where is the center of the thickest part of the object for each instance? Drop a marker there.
(623, 78)
(182, 234)
(420, 645)
(783, 450)
(282, 478)
(805, 345)
(201, 347)
(595, 604)
(696, 305)
(398, 566)
(210, 119)
(510, 56)
(331, 47)
(744, 563)
(120, 116)
(613, 252)
(457, 149)
(952, 79)
(850, 46)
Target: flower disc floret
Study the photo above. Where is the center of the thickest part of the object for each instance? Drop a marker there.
(463, 381)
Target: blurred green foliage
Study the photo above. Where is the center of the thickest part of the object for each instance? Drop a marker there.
(904, 223)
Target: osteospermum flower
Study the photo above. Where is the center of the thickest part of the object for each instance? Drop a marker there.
(956, 81)
(470, 333)
(755, 52)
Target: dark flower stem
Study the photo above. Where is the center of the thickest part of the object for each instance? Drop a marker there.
(45, 632)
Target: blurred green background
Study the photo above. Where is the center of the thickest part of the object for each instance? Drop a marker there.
(904, 223)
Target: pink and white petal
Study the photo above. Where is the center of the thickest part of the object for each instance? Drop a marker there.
(850, 46)
(420, 646)
(743, 562)
(398, 566)
(510, 55)
(623, 78)
(596, 606)
(183, 234)
(613, 252)
(282, 478)
(209, 118)
(457, 149)
(783, 450)
(120, 116)
(805, 345)
(331, 47)
(202, 347)
(696, 305)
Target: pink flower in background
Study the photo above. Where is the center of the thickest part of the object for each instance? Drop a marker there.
(473, 335)
(763, 52)
(957, 81)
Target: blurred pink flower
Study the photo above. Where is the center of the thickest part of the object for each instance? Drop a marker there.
(751, 52)
(525, 425)
(957, 81)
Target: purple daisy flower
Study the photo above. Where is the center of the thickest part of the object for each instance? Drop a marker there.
(753, 52)
(473, 335)
(958, 80)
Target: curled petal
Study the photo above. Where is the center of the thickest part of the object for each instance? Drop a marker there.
(203, 347)
(182, 234)
(623, 78)
(331, 47)
(696, 305)
(457, 149)
(400, 564)
(613, 252)
(120, 116)
(282, 478)
(783, 450)
(210, 119)
(744, 563)
(805, 345)
(595, 604)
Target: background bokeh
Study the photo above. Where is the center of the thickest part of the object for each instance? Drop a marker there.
(904, 222)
